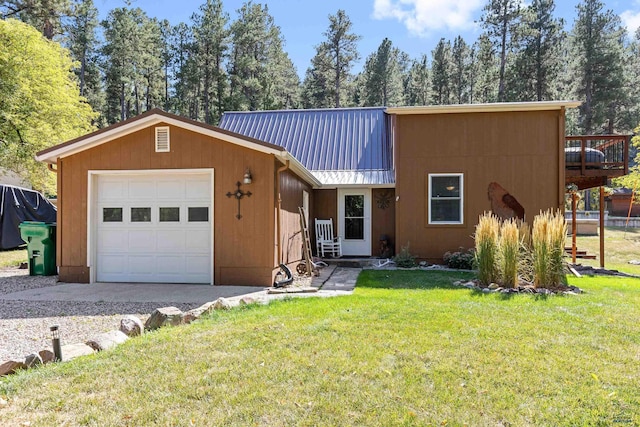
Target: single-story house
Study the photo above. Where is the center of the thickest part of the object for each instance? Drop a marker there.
(160, 198)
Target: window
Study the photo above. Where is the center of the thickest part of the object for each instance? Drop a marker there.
(354, 217)
(111, 214)
(140, 214)
(198, 214)
(169, 214)
(445, 198)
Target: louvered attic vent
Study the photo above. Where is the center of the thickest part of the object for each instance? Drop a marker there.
(162, 139)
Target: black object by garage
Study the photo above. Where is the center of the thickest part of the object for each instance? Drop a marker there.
(18, 205)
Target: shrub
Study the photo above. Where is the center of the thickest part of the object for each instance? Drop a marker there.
(404, 259)
(459, 259)
(525, 262)
(548, 238)
(509, 252)
(486, 255)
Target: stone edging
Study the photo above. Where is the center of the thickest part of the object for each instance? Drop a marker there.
(130, 326)
(526, 289)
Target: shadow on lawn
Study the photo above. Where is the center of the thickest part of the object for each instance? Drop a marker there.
(412, 279)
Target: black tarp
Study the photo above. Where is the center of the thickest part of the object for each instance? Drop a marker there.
(18, 205)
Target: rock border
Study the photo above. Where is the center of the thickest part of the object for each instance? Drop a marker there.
(475, 285)
(130, 326)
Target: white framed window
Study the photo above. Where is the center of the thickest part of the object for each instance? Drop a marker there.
(446, 201)
(162, 139)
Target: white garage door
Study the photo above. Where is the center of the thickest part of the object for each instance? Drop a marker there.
(154, 228)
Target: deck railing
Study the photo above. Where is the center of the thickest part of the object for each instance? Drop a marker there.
(614, 160)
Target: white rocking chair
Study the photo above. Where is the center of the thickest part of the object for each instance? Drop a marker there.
(326, 243)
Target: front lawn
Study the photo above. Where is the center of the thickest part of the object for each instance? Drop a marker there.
(620, 247)
(406, 349)
(13, 257)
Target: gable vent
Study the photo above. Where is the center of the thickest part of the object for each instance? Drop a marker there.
(162, 139)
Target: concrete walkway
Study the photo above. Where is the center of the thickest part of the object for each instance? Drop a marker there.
(332, 281)
(131, 292)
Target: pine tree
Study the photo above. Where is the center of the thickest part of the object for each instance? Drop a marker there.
(166, 32)
(187, 87)
(151, 67)
(45, 15)
(418, 83)
(460, 80)
(485, 72)
(598, 72)
(500, 20)
(441, 73)
(83, 45)
(631, 117)
(262, 75)
(537, 64)
(383, 76)
(211, 37)
(326, 81)
(132, 56)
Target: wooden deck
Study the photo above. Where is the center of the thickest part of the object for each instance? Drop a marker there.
(585, 174)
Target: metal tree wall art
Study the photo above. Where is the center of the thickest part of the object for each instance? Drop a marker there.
(383, 200)
(239, 194)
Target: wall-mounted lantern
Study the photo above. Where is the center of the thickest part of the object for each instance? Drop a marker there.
(247, 176)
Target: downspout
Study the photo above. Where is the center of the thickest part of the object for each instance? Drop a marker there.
(278, 211)
(51, 168)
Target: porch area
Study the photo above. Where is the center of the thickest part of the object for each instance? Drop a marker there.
(590, 162)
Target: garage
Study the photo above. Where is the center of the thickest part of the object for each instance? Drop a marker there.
(138, 203)
(152, 226)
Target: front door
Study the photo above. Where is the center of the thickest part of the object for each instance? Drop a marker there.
(354, 224)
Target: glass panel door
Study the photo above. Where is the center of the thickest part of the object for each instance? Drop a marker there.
(354, 221)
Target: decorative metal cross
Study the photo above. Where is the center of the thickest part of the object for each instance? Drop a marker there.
(239, 194)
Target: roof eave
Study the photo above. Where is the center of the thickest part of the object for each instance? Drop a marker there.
(328, 186)
(299, 169)
(484, 108)
(101, 137)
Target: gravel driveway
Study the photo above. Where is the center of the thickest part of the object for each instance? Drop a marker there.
(24, 325)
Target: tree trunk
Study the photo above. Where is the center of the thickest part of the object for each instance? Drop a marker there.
(503, 54)
(122, 102)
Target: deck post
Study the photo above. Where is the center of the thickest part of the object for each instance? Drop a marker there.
(601, 226)
(574, 226)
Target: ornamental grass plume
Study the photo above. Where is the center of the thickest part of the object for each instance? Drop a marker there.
(548, 238)
(486, 239)
(509, 252)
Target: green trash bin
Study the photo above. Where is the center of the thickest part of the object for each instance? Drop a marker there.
(41, 247)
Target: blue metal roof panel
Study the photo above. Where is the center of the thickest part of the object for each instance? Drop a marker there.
(338, 139)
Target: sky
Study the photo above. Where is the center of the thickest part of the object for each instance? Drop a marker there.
(414, 26)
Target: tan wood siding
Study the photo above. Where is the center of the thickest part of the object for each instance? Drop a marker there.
(325, 206)
(518, 150)
(383, 220)
(242, 248)
(291, 188)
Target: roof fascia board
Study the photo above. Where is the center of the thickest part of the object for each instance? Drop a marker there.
(484, 108)
(299, 169)
(101, 138)
(332, 186)
(140, 124)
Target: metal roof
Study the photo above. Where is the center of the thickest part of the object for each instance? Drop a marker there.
(332, 143)
(350, 178)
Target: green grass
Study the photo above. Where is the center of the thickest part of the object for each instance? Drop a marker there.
(619, 249)
(13, 257)
(406, 349)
